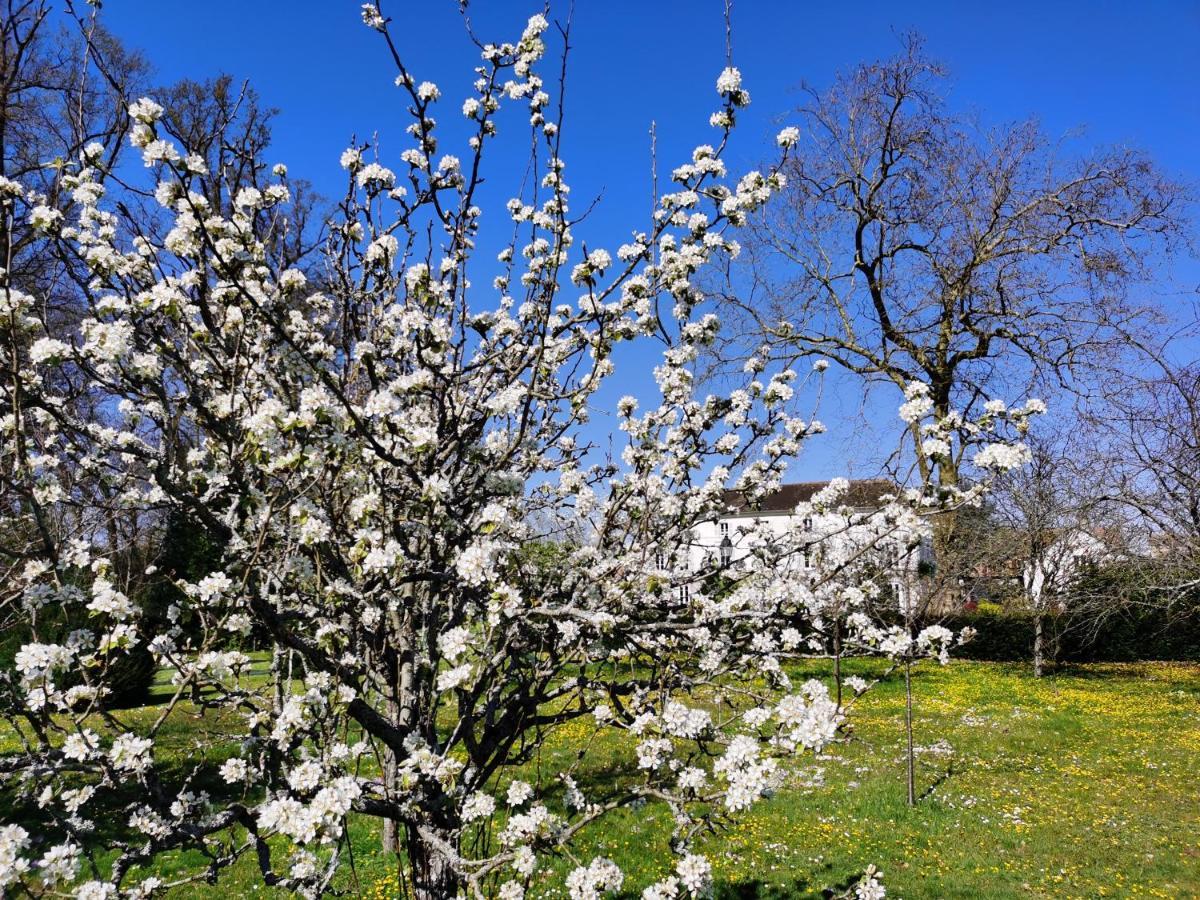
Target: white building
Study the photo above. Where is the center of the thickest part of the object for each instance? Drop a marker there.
(852, 529)
(1063, 558)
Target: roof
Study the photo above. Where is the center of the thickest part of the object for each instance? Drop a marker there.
(862, 494)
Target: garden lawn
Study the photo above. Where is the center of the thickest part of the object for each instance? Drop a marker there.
(1082, 784)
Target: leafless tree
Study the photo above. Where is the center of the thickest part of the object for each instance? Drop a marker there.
(1052, 525)
(1152, 429)
(59, 90)
(912, 243)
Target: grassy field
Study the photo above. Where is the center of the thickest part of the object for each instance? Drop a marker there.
(1083, 784)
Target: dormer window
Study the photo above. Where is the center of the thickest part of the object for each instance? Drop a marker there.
(724, 529)
(808, 523)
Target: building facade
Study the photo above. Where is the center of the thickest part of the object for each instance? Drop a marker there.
(851, 531)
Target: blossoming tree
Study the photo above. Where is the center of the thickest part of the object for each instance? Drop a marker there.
(376, 446)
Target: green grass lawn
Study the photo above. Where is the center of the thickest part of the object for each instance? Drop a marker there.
(1083, 784)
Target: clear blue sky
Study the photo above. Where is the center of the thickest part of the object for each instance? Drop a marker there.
(1125, 73)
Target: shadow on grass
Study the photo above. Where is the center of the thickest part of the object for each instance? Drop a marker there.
(1109, 671)
(758, 889)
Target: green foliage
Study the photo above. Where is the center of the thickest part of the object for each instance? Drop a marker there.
(185, 551)
(1130, 634)
(127, 674)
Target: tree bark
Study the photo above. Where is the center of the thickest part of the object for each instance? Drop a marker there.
(837, 656)
(1039, 626)
(908, 728)
(433, 878)
(947, 549)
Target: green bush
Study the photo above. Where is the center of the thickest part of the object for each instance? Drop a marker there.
(128, 676)
(1121, 637)
(999, 637)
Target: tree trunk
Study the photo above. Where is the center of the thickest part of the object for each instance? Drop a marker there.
(908, 728)
(433, 878)
(1039, 625)
(837, 656)
(389, 839)
(948, 553)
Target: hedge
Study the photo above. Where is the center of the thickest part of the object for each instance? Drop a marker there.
(1122, 637)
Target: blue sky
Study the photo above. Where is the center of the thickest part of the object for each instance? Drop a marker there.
(1116, 73)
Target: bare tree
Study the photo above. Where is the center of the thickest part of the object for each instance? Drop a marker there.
(913, 244)
(226, 124)
(1153, 438)
(1052, 528)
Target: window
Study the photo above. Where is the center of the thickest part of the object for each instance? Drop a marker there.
(661, 560)
(684, 592)
(724, 529)
(726, 552)
(808, 560)
(808, 523)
